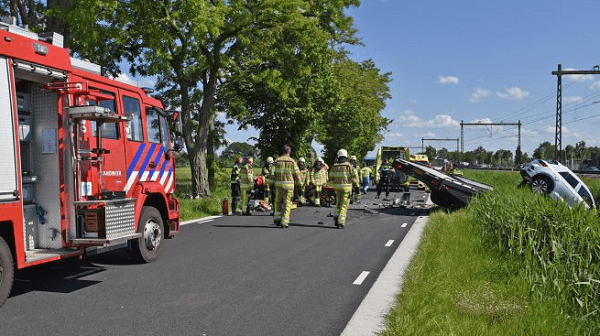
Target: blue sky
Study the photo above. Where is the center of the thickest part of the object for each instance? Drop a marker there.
(484, 61)
(488, 61)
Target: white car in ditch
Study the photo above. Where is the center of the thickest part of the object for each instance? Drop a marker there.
(551, 178)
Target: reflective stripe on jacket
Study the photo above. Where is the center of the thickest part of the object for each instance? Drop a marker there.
(342, 175)
(319, 177)
(303, 176)
(246, 178)
(285, 172)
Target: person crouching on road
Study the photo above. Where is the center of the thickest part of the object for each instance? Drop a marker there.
(247, 184)
(342, 175)
(286, 178)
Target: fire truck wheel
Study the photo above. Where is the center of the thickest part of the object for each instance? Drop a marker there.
(6, 271)
(148, 247)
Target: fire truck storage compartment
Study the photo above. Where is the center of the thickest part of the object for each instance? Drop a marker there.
(106, 219)
(40, 165)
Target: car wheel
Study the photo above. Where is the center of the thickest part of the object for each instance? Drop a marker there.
(149, 246)
(542, 184)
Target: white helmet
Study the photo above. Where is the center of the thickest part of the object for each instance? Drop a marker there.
(353, 158)
(270, 159)
(342, 152)
(301, 160)
(320, 159)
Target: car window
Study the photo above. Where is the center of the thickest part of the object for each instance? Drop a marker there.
(569, 178)
(585, 195)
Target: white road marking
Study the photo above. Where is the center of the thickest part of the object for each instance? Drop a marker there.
(361, 278)
(404, 225)
(389, 243)
(200, 220)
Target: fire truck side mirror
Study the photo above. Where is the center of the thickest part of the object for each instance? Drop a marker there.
(178, 143)
(178, 138)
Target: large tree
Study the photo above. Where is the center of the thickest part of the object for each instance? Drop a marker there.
(39, 16)
(194, 46)
(355, 122)
(544, 151)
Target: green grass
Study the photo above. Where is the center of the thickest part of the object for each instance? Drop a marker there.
(203, 207)
(511, 263)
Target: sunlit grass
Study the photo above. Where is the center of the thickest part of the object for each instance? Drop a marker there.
(511, 263)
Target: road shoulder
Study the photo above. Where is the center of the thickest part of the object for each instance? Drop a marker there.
(369, 318)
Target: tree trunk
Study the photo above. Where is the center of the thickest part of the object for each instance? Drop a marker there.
(210, 155)
(199, 174)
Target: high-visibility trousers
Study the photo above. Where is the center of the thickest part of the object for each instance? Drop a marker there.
(342, 198)
(317, 194)
(283, 205)
(246, 188)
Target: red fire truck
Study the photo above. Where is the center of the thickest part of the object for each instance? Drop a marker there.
(85, 160)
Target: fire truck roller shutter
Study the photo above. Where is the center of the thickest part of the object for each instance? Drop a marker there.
(8, 159)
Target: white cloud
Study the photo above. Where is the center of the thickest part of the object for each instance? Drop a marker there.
(409, 119)
(393, 135)
(572, 100)
(513, 93)
(448, 80)
(478, 95)
(595, 85)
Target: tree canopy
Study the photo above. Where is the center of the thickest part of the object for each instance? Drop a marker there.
(200, 50)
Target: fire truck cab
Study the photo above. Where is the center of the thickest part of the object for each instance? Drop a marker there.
(84, 160)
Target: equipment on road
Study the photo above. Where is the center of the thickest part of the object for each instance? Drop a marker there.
(86, 161)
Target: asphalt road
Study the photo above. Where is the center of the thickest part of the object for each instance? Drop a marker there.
(235, 275)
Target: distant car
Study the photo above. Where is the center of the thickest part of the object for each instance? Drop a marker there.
(551, 178)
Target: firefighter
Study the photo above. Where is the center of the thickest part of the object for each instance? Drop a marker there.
(342, 175)
(365, 173)
(236, 191)
(318, 178)
(356, 195)
(385, 176)
(454, 171)
(267, 171)
(304, 177)
(286, 178)
(247, 184)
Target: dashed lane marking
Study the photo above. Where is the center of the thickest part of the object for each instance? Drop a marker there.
(361, 278)
(404, 225)
(389, 243)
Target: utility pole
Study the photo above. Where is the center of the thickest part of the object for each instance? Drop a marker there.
(559, 73)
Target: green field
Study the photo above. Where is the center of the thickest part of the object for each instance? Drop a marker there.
(511, 263)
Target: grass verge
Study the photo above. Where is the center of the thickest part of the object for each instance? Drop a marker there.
(457, 285)
(463, 282)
